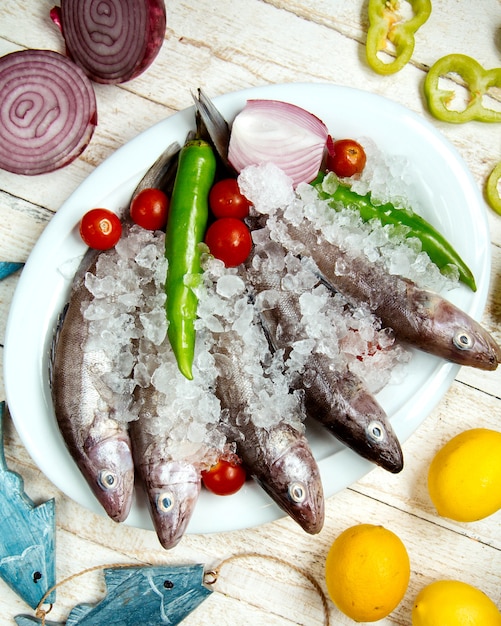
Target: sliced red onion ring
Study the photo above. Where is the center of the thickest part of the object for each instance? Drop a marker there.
(271, 131)
(47, 111)
(113, 41)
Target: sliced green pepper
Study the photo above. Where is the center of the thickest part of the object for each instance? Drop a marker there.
(492, 189)
(188, 215)
(478, 81)
(433, 243)
(387, 25)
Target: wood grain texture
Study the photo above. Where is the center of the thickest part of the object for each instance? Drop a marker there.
(223, 47)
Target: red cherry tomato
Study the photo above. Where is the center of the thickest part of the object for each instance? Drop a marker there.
(149, 209)
(224, 478)
(345, 157)
(226, 200)
(100, 229)
(229, 240)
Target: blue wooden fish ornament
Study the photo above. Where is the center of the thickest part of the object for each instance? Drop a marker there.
(27, 536)
(139, 596)
(8, 267)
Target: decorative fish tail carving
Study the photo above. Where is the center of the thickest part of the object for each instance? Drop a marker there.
(27, 538)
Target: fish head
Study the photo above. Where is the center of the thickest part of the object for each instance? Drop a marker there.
(172, 488)
(465, 341)
(109, 469)
(31, 574)
(293, 479)
(353, 415)
(380, 443)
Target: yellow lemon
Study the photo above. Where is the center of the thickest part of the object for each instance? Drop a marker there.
(367, 572)
(464, 477)
(454, 603)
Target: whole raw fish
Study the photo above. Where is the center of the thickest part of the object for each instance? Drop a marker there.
(423, 319)
(172, 485)
(278, 456)
(86, 411)
(337, 398)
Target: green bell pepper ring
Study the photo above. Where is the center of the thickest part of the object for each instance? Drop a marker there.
(188, 215)
(492, 189)
(433, 243)
(478, 82)
(387, 25)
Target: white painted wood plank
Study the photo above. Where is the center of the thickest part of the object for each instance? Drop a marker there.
(223, 47)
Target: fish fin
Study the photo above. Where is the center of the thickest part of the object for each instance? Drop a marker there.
(115, 576)
(210, 122)
(78, 613)
(8, 267)
(46, 510)
(28, 620)
(162, 173)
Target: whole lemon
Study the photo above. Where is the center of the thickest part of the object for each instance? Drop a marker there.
(454, 603)
(464, 477)
(367, 572)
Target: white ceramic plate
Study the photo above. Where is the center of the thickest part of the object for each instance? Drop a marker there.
(448, 198)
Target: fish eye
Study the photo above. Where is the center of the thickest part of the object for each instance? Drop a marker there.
(165, 502)
(107, 480)
(168, 584)
(376, 431)
(462, 340)
(37, 576)
(297, 492)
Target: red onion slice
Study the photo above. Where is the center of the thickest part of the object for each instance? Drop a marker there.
(113, 41)
(47, 111)
(271, 131)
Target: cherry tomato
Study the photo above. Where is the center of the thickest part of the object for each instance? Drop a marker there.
(224, 478)
(100, 229)
(149, 209)
(229, 240)
(345, 157)
(226, 200)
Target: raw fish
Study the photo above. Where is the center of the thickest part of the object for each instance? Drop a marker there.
(333, 395)
(87, 411)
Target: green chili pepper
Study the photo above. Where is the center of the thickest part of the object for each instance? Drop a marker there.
(188, 214)
(492, 189)
(433, 243)
(387, 25)
(478, 81)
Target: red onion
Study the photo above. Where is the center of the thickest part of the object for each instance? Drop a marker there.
(113, 41)
(271, 131)
(47, 111)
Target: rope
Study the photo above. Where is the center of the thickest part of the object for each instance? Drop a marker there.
(42, 613)
(212, 575)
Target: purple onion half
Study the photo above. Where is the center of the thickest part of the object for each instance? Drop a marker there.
(113, 41)
(47, 111)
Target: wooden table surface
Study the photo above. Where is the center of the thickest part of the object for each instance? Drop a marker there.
(226, 46)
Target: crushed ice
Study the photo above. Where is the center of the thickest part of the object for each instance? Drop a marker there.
(126, 313)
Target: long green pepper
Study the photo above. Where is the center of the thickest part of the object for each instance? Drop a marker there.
(433, 243)
(188, 215)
